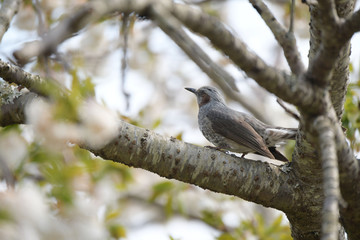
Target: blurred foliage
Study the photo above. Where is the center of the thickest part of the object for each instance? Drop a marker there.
(117, 231)
(289, 149)
(258, 228)
(168, 191)
(351, 116)
(65, 174)
(214, 219)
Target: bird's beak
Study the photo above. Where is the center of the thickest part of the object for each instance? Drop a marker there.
(193, 90)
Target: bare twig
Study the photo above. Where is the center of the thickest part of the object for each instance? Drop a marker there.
(292, 16)
(289, 111)
(285, 38)
(8, 10)
(125, 32)
(173, 28)
(63, 31)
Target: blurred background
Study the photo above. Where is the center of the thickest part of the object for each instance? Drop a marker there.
(66, 192)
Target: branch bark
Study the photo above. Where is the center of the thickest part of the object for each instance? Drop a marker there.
(15, 74)
(13, 112)
(327, 149)
(256, 181)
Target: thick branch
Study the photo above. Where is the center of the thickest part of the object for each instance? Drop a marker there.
(285, 38)
(329, 55)
(327, 150)
(260, 182)
(255, 181)
(8, 10)
(328, 14)
(14, 74)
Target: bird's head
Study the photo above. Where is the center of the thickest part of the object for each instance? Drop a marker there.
(206, 94)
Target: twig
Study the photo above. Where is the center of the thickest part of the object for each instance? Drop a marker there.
(290, 112)
(173, 28)
(292, 13)
(285, 38)
(63, 31)
(8, 10)
(125, 32)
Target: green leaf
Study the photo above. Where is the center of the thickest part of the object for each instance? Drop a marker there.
(226, 236)
(160, 189)
(213, 219)
(117, 231)
(169, 206)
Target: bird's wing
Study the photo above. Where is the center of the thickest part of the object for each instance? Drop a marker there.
(232, 126)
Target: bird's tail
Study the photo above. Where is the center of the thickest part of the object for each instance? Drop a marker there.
(288, 133)
(278, 155)
(278, 135)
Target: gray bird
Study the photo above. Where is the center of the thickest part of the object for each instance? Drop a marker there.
(236, 131)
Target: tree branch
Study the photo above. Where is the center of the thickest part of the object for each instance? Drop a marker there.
(60, 33)
(327, 149)
(351, 25)
(285, 38)
(291, 89)
(8, 10)
(260, 182)
(328, 13)
(329, 53)
(349, 171)
(172, 27)
(14, 74)
(13, 112)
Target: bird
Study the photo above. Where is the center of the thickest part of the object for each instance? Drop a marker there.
(236, 131)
